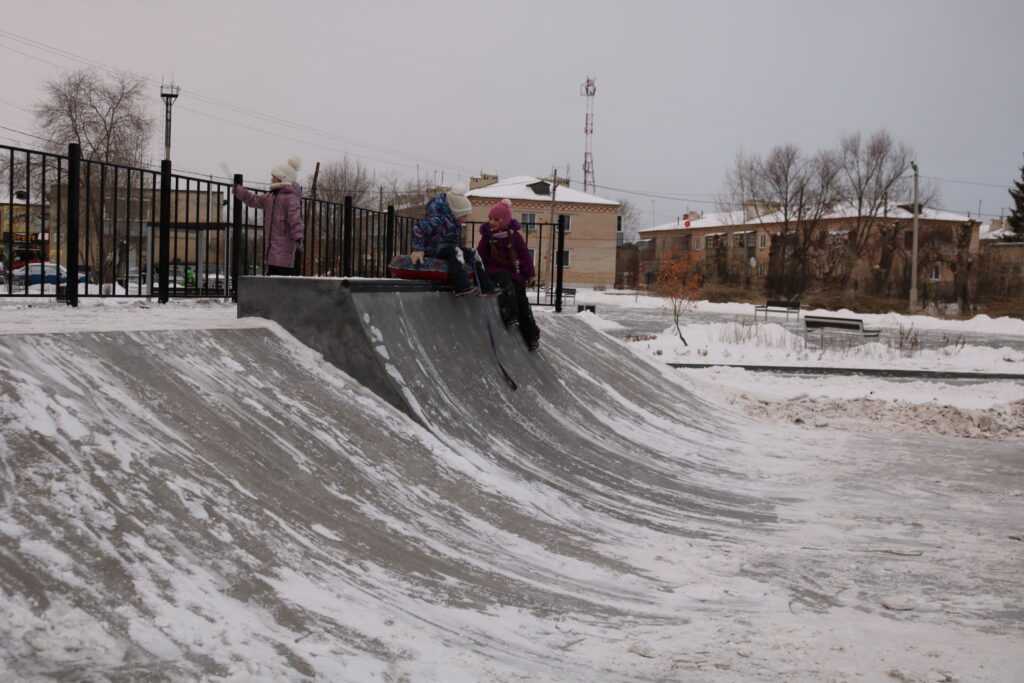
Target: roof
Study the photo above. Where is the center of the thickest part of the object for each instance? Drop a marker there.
(987, 232)
(736, 218)
(518, 187)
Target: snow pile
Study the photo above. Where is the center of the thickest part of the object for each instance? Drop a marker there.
(979, 324)
(773, 344)
(865, 414)
(730, 383)
(599, 323)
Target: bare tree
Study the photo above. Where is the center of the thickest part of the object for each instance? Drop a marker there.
(874, 176)
(632, 219)
(105, 115)
(339, 179)
(794, 193)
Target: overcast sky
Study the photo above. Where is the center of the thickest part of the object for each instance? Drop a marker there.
(463, 86)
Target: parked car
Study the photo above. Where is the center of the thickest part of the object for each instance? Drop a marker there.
(40, 272)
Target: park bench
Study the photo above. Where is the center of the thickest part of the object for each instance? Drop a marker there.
(778, 306)
(821, 322)
(567, 294)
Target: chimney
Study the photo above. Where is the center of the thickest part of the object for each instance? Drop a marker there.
(483, 180)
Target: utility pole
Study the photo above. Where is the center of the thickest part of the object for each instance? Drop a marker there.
(913, 267)
(170, 93)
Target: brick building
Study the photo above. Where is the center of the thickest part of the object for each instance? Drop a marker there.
(755, 248)
(594, 225)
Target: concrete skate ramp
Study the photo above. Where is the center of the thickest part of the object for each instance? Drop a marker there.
(571, 423)
(226, 503)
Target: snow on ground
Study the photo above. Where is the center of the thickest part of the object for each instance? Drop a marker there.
(599, 323)
(987, 410)
(112, 315)
(889, 560)
(749, 343)
(990, 410)
(977, 324)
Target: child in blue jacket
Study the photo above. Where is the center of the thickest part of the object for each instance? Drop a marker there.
(439, 235)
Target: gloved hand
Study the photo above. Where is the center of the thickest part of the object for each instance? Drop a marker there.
(416, 257)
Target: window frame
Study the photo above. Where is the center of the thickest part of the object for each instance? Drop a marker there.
(568, 223)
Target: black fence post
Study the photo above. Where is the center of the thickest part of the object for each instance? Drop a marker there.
(236, 236)
(165, 230)
(346, 239)
(560, 263)
(389, 237)
(74, 179)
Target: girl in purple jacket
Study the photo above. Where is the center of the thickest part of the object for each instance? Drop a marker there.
(282, 217)
(504, 253)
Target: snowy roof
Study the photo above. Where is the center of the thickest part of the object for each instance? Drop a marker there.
(990, 233)
(708, 220)
(518, 187)
(736, 218)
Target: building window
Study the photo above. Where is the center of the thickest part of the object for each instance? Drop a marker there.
(565, 258)
(529, 220)
(709, 242)
(568, 222)
(764, 240)
(936, 273)
(761, 269)
(695, 243)
(533, 258)
(618, 224)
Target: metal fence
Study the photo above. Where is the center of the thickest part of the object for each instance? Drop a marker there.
(75, 227)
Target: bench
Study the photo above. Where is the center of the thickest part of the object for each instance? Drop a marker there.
(778, 306)
(821, 322)
(568, 293)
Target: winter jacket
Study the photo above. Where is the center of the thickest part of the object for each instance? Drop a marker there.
(282, 222)
(438, 229)
(506, 252)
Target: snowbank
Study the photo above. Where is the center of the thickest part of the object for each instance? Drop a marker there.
(599, 323)
(773, 344)
(981, 324)
(988, 410)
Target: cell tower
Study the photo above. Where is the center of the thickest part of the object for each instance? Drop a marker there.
(588, 90)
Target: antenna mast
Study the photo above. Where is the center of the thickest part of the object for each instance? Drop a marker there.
(169, 92)
(588, 90)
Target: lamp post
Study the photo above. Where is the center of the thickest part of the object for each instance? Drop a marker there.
(913, 266)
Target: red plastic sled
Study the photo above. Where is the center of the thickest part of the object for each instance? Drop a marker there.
(430, 269)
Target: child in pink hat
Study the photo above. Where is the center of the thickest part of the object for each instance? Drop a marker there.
(507, 259)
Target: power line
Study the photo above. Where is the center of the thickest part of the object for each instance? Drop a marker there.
(458, 171)
(217, 102)
(964, 182)
(31, 135)
(17, 106)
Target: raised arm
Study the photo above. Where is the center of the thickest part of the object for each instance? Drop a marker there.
(250, 198)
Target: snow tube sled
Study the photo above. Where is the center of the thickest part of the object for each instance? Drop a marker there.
(430, 269)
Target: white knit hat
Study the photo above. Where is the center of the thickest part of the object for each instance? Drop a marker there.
(287, 172)
(458, 203)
